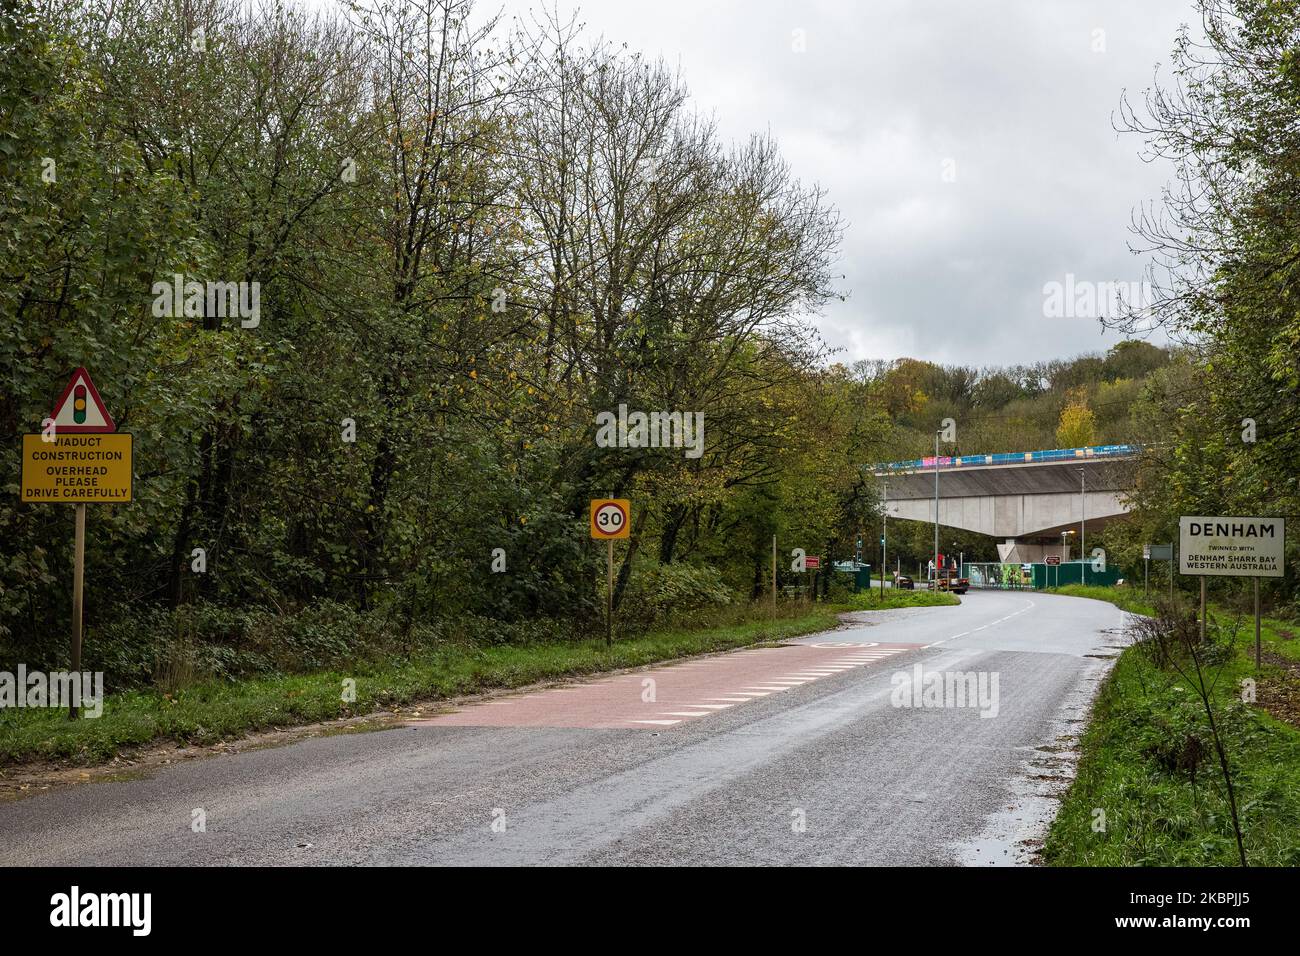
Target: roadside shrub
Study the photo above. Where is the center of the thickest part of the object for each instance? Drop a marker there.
(475, 629)
(1177, 738)
(158, 647)
(170, 650)
(841, 587)
(658, 593)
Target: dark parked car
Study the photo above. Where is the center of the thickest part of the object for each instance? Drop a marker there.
(904, 582)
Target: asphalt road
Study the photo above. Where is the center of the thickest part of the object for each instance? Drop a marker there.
(803, 755)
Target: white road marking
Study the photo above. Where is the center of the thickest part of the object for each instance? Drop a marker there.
(686, 713)
(658, 723)
(1028, 606)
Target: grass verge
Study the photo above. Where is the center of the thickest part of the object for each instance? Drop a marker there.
(1126, 599)
(1148, 766)
(896, 598)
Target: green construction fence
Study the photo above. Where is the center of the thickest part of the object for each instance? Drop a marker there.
(1038, 576)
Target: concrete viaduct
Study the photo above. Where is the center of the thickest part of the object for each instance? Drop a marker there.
(1026, 498)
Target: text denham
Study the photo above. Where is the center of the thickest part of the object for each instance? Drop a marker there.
(1210, 530)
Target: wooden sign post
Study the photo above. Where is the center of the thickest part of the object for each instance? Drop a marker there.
(79, 458)
(1232, 546)
(611, 519)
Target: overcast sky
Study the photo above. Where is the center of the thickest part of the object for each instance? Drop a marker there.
(1013, 92)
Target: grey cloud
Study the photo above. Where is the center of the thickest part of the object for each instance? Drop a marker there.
(885, 92)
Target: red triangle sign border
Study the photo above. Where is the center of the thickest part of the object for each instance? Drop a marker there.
(81, 373)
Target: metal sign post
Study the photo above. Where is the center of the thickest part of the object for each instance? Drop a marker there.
(1052, 561)
(1156, 552)
(1257, 649)
(1202, 610)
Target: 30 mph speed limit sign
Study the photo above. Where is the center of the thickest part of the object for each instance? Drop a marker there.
(610, 518)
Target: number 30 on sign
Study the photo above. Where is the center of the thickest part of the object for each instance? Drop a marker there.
(610, 518)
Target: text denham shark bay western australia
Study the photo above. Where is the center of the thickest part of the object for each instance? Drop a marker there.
(1235, 547)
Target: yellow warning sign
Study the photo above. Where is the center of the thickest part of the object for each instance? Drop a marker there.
(77, 469)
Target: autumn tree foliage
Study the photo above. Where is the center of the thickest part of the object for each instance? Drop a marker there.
(1077, 427)
(470, 239)
(1220, 424)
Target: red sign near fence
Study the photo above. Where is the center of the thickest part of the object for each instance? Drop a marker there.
(812, 563)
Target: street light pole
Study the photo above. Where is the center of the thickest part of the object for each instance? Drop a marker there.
(884, 539)
(1064, 554)
(934, 558)
(1083, 528)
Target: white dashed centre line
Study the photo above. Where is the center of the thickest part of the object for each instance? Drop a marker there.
(1028, 606)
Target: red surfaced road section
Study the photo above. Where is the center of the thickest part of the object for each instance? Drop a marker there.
(669, 695)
